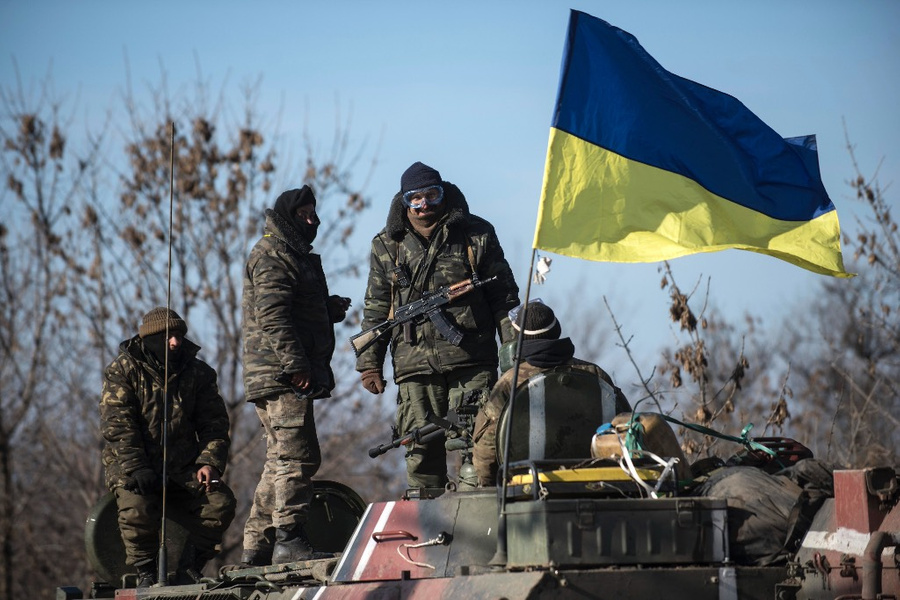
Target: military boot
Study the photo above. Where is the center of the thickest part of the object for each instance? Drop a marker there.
(291, 546)
(146, 572)
(190, 565)
(256, 558)
(195, 571)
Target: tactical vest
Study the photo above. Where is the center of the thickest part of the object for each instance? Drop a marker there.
(555, 414)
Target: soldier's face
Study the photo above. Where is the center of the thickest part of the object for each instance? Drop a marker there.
(307, 214)
(175, 341)
(426, 213)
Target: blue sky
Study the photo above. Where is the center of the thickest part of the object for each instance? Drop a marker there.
(469, 87)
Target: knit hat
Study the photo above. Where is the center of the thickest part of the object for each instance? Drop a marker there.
(155, 322)
(540, 322)
(419, 176)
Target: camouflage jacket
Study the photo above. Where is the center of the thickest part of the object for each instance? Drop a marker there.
(287, 327)
(500, 393)
(131, 415)
(460, 242)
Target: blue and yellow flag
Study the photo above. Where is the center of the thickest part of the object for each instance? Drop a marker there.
(644, 166)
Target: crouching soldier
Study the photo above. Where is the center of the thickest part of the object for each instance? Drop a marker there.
(131, 413)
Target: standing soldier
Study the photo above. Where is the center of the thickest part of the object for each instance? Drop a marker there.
(288, 332)
(432, 240)
(131, 413)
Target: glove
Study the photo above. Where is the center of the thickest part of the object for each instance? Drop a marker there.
(143, 481)
(337, 308)
(373, 381)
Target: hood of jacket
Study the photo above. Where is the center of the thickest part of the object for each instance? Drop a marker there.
(282, 229)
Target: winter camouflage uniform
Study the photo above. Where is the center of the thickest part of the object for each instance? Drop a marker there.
(484, 454)
(131, 415)
(287, 329)
(432, 374)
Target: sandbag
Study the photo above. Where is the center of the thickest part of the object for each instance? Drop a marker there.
(763, 513)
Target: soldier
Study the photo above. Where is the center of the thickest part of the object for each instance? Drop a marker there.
(288, 332)
(131, 413)
(542, 350)
(432, 240)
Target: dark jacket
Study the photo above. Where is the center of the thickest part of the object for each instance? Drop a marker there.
(287, 327)
(131, 414)
(460, 242)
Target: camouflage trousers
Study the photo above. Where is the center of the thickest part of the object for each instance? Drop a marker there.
(284, 491)
(205, 517)
(426, 464)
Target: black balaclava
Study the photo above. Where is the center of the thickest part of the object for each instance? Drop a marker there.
(286, 206)
(157, 345)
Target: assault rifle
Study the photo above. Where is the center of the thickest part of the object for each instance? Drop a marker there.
(458, 424)
(458, 427)
(419, 435)
(429, 305)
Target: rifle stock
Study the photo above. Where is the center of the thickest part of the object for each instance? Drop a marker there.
(364, 339)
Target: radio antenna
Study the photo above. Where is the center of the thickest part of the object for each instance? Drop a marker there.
(162, 562)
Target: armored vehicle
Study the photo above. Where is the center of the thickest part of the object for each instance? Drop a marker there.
(771, 522)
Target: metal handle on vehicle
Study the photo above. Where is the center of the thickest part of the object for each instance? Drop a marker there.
(382, 536)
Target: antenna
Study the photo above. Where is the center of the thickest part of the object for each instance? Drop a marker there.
(162, 562)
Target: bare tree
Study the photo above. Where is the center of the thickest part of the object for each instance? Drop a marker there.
(708, 380)
(83, 255)
(848, 343)
(45, 344)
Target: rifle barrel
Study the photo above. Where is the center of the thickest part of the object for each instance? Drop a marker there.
(419, 435)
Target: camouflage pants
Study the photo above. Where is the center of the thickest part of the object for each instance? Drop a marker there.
(426, 464)
(282, 497)
(205, 516)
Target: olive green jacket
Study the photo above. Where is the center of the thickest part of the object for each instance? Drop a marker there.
(462, 245)
(131, 414)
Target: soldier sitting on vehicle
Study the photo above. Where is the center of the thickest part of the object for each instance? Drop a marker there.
(132, 420)
(544, 352)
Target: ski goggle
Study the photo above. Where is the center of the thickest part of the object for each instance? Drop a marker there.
(514, 314)
(431, 195)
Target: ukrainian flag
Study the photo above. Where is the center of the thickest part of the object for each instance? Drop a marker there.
(645, 166)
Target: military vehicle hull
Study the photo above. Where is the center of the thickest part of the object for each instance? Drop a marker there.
(580, 547)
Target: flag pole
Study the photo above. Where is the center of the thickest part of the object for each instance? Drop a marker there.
(500, 557)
